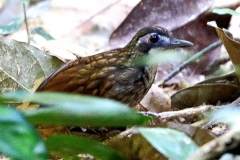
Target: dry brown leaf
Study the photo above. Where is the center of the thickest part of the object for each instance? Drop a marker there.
(231, 44)
(156, 100)
(204, 93)
(65, 51)
(47, 131)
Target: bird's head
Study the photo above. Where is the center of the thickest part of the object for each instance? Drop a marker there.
(155, 38)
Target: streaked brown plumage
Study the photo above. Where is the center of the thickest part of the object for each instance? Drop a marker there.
(112, 74)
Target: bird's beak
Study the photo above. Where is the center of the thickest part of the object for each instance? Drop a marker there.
(179, 43)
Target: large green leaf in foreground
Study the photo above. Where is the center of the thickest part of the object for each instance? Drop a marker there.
(71, 146)
(80, 110)
(172, 144)
(18, 138)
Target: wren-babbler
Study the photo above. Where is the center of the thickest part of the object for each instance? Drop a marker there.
(112, 74)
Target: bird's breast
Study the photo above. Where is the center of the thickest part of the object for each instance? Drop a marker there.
(149, 73)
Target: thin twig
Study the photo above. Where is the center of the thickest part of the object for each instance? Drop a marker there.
(217, 147)
(213, 121)
(190, 60)
(25, 21)
(164, 116)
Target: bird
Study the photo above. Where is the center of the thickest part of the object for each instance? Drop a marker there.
(113, 74)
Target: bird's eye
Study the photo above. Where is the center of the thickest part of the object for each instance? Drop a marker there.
(153, 38)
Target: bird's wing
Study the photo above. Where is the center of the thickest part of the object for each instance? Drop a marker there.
(85, 78)
(78, 71)
(128, 86)
(78, 76)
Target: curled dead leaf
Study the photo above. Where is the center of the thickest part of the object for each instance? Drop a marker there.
(204, 93)
(231, 44)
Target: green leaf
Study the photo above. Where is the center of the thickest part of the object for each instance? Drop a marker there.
(21, 64)
(225, 11)
(70, 146)
(8, 29)
(18, 138)
(172, 144)
(81, 110)
(230, 116)
(155, 58)
(40, 31)
(24, 1)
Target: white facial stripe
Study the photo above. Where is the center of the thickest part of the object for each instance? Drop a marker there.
(164, 38)
(155, 50)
